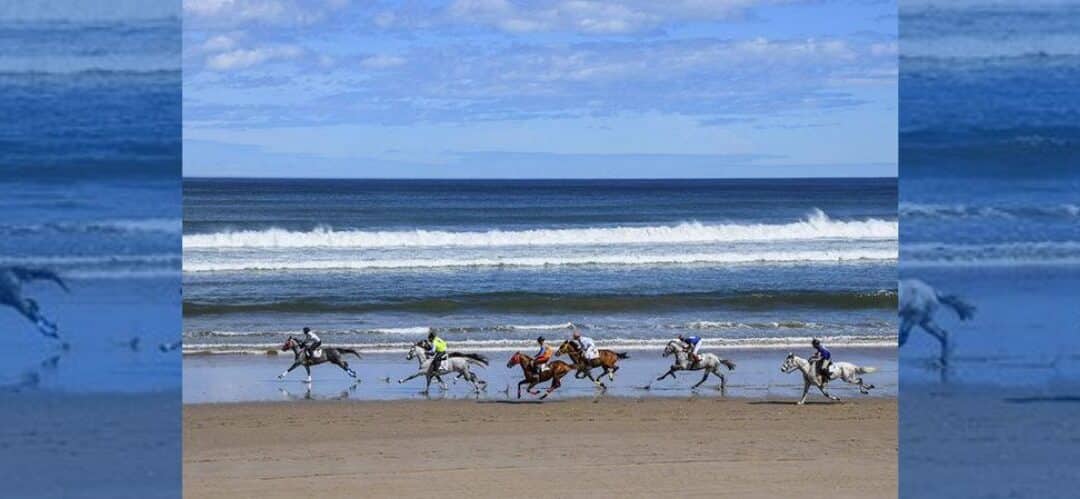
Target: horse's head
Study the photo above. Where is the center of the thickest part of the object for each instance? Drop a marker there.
(514, 360)
(789, 363)
(670, 348)
(565, 347)
(289, 344)
(416, 350)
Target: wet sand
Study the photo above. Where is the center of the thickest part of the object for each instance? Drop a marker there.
(253, 378)
(983, 441)
(90, 445)
(616, 447)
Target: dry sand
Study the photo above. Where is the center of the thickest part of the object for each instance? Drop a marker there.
(613, 448)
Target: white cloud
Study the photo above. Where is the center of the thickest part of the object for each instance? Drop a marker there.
(593, 16)
(285, 12)
(382, 61)
(219, 43)
(245, 58)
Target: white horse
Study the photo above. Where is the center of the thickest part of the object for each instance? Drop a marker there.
(837, 370)
(708, 362)
(456, 363)
(918, 303)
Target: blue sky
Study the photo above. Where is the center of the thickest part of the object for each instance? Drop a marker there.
(556, 88)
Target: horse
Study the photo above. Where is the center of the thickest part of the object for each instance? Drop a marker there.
(607, 360)
(333, 355)
(11, 281)
(707, 361)
(843, 370)
(918, 303)
(454, 363)
(555, 370)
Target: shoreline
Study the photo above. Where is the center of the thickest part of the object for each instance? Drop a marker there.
(245, 378)
(613, 447)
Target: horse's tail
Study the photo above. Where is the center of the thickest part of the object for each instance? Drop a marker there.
(474, 358)
(963, 309)
(622, 355)
(350, 350)
(728, 364)
(865, 370)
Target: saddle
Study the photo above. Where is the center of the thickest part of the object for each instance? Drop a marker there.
(315, 354)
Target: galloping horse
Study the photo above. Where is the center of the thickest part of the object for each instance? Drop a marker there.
(607, 360)
(707, 361)
(556, 369)
(918, 303)
(454, 363)
(843, 370)
(335, 356)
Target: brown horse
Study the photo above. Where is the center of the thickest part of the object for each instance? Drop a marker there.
(556, 369)
(332, 355)
(607, 360)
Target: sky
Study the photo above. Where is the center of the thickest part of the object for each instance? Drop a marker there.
(540, 89)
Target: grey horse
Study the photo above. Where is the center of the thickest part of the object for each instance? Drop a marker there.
(708, 362)
(11, 281)
(919, 302)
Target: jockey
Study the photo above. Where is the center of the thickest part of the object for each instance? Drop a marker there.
(586, 345)
(542, 356)
(822, 358)
(438, 347)
(693, 344)
(311, 342)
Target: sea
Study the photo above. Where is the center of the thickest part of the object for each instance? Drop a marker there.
(89, 171)
(990, 211)
(494, 264)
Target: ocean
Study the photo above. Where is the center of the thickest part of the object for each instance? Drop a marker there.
(90, 175)
(990, 211)
(492, 264)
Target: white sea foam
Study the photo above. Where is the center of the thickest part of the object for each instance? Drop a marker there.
(815, 226)
(997, 254)
(553, 260)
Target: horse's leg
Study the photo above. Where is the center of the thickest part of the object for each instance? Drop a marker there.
(524, 382)
(827, 394)
(308, 369)
(593, 378)
(942, 337)
(345, 367)
(805, 390)
(905, 327)
(723, 379)
(414, 376)
(670, 372)
(703, 378)
(555, 384)
(289, 370)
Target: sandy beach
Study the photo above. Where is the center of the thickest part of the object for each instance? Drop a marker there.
(615, 447)
(55, 445)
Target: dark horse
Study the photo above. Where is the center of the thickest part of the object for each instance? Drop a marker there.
(335, 356)
(607, 360)
(556, 369)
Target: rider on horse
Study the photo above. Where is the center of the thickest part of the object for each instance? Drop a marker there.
(693, 344)
(311, 342)
(821, 359)
(438, 349)
(586, 345)
(542, 356)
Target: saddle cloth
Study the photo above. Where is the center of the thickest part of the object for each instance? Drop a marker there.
(317, 353)
(592, 354)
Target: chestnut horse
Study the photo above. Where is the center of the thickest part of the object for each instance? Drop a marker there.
(556, 369)
(607, 360)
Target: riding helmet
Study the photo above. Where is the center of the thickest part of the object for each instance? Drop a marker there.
(540, 339)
